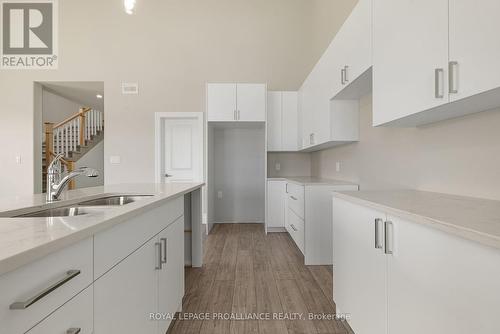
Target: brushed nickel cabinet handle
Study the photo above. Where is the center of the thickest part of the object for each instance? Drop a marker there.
(452, 77)
(68, 276)
(73, 331)
(164, 252)
(158, 256)
(378, 245)
(293, 227)
(293, 197)
(345, 74)
(388, 238)
(438, 83)
(342, 76)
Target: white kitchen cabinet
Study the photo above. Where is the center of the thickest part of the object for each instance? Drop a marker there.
(474, 46)
(410, 57)
(290, 131)
(308, 214)
(274, 121)
(124, 296)
(275, 204)
(450, 282)
(360, 267)
(385, 276)
(236, 102)
(353, 46)
(282, 121)
(251, 102)
(74, 317)
(171, 275)
(221, 101)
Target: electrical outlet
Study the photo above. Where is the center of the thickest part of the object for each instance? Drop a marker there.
(115, 159)
(277, 166)
(219, 194)
(337, 166)
(18, 159)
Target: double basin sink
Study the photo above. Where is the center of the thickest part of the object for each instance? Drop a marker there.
(93, 206)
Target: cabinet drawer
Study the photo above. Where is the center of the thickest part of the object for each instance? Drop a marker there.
(73, 317)
(295, 198)
(113, 245)
(23, 301)
(295, 227)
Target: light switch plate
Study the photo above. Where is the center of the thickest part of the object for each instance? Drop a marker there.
(337, 166)
(219, 194)
(18, 159)
(277, 166)
(130, 88)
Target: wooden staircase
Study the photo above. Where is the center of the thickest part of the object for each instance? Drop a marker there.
(72, 138)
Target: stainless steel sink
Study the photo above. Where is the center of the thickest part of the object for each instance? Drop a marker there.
(114, 200)
(66, 211)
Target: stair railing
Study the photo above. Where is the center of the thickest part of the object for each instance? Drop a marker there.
(74, 131)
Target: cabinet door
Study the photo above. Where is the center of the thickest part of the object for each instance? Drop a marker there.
(474, 45)
(354, 42)
(450, 282)
(410, 41)
(73, 317)
(290, 130)
(125, 296)
(221, 102)
(171, 276)
(305, 116)
(251, 102)
(274, 121)
(359, 267)
(276, 203)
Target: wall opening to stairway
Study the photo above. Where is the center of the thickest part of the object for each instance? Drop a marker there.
(69, 121)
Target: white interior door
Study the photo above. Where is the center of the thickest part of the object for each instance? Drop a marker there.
(179, 147)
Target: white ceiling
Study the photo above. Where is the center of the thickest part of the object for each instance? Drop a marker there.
(82, 92)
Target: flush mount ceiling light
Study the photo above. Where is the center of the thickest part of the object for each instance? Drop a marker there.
(129, 6)
(99, 96)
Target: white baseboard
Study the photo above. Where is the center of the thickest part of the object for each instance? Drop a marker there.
(276, 229)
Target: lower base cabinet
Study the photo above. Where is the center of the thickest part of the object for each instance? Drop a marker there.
(148, 282)
(394, 276)
(74, 317)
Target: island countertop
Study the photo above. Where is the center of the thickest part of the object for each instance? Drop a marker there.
(471, 218)
(312, 181)
(26, 239)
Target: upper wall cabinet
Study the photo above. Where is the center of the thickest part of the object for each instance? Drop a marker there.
(339, 68)
(236, 102)
(282, 125)
(432, 58)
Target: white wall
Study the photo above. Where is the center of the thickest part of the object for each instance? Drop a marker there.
(56, 108)
(459, 156)
(239, 172)
(171, 48)
(95, 159)
(291, 164)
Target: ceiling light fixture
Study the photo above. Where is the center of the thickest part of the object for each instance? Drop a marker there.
(99, 96)
(129, 6)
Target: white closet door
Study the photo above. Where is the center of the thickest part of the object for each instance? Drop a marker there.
(251, 102)
(474, 46)
(221, 102)
(410, 40)
(274, 121)
(290, 131)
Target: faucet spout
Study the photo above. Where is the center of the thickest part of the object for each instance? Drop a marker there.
(55, 185)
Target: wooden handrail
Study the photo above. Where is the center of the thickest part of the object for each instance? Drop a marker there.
(82, 112)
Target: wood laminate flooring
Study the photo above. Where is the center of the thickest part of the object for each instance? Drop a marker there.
(246, 272)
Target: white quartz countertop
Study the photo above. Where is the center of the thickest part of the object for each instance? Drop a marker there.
(470, 218)
(312, 180)
(23, 239)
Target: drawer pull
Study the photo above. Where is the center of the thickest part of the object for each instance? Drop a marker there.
(164, 252)
(68, 276)
(73, 331)
(293, 197)
(293, 227)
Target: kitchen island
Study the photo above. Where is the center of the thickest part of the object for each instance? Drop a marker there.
(101, 260)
